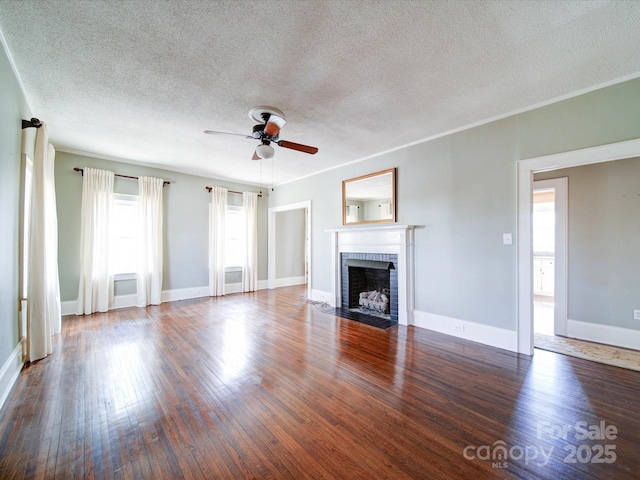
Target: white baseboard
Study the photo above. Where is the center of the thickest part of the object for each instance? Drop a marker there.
(232, 288)
(290, 281)
(476, 332)
(9, 372)
(184, 294)
(69, 307)
(607, 334)
(237, 287)
(324, 297)
(124, 301)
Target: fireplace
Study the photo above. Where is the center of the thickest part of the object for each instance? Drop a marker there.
(370, 284)
(390, 244)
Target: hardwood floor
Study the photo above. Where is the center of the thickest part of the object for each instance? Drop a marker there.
(267, 386)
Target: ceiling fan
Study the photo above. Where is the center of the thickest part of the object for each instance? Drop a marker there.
(270, 121)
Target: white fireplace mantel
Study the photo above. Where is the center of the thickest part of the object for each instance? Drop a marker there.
(392, 239)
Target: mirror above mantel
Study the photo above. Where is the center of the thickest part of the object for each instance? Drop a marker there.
(369, 198)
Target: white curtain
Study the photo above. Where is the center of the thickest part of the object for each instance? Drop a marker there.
(149, 269)
(250, 214)
(96, 286)
(385, 210)
(352, 213)
(217, 216)
(43, 310)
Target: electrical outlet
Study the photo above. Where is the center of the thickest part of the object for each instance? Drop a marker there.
(636, 314)
(459, 328)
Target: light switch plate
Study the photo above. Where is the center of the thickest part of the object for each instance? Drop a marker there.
(507, 239)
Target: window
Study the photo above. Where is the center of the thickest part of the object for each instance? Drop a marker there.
(544, 220)
(352, 213)
(234, 249)
(124, 234)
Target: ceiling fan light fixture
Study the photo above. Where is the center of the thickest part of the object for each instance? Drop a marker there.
(270, 121)
(265, 151)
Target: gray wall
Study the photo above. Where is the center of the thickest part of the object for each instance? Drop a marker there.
(604, 241)
(290, 236)
(12, 109)
(461, 190)
(186, 219)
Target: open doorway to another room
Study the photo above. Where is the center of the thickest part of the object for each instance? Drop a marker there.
(602, 277)
(289, 245)
(543, 260)
(549, 249)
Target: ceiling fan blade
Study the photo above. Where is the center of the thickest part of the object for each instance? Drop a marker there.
(255, 155)
(298, 146)
(216, 132)
(274, 124)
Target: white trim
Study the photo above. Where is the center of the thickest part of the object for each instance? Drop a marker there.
(323, 297)
(526, 168)
(290, 281)
(230, 288)
(124, 301)
(119, 277)
(392, 239)
(16, 74)
(68, 307)
(9, 373)
(271, 241)
(607, 334)
(184, 293)
(476, 332)
(469, 126)
(125, 198)
(560, 261)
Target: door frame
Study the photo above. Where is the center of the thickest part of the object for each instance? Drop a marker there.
(271, 240)
(525, 170)
(561, 240)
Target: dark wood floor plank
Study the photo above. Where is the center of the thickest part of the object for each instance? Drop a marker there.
(267, 386)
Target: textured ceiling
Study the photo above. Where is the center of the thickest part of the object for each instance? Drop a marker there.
(141, 80)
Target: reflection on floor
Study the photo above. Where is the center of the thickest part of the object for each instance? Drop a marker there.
(597, 352)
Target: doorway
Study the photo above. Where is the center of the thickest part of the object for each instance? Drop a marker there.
(526, 170)
(278, 236)
(549, 252)
(544, 239)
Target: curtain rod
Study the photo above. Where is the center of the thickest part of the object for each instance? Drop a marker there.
(231, 191)
(34, 122)
(76, 169)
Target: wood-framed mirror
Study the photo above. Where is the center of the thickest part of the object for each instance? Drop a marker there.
(369, 198)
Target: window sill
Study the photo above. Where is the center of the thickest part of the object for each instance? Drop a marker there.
(124, 276)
